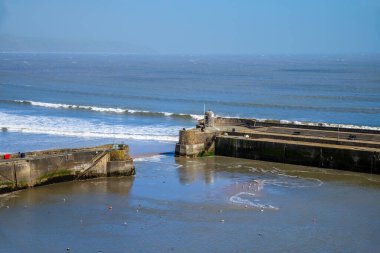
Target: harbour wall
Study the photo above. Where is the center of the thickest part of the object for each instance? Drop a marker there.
(310, 145)
(45, 167)
(309, 154)
(195, 142)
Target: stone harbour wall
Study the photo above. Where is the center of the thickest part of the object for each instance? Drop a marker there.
(310, 144)
(55, 166)
(300, 153)
(195, 142)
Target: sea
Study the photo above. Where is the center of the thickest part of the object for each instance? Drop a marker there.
(64, 100)
(209, 204)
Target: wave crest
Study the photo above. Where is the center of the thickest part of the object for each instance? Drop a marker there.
(145, 113)
(109, 109)
(74, 127)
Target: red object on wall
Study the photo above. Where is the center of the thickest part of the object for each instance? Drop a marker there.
(7, 156)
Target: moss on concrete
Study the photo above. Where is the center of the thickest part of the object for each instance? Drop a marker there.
(206, 153)
(117, 155)
(6, 183)
(56, 175)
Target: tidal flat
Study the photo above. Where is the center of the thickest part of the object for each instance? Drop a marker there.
(210, 204)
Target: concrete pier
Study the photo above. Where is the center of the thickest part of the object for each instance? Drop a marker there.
(302, 144)
(44, 167)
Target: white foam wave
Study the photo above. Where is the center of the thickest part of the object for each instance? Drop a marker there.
(333, 125)
(154, 158)
(284, 180)
(243, 198)
(324, 124)
(301, 183)
(85, 128)
(170, 114)
(106, 109)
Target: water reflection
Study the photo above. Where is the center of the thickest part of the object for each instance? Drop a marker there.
(61, 192)
(191, 170)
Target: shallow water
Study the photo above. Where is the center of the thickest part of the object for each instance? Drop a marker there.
(213, 204)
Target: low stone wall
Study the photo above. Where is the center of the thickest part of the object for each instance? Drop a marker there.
(120, 168)
(195, 136)
(49, 167)
(298, 153)
(195, 142)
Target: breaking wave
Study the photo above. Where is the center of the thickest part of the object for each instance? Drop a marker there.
(118, 110)
(74, 127)
(153, 158)
(328, 125)
(108, 109)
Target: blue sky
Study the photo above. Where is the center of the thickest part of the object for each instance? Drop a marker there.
(203, 26)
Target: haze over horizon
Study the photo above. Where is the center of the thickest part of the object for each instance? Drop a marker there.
(191, 27)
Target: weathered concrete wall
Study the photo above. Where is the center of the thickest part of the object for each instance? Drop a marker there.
(120, 168)
(37, 170)
(99, 169)
(21, 174)
(195, 136)
(7, 179)
(191, 150)
(300, 153)
(195, 142)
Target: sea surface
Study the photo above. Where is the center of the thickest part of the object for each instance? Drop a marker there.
(211, 204)
(56, 100)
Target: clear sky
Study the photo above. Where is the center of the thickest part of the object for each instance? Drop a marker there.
(203, 26)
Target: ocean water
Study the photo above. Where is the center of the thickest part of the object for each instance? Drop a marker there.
(63, 100)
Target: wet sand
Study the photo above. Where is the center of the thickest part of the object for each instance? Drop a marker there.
(213, 204)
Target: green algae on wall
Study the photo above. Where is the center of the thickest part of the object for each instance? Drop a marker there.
(58, 175)
(117, 155)
(206, 153)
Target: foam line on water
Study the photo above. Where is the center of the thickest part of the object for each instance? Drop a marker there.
(332, 125)
(239, 199)
(173, 115)
(302, 183)
(107, 109)
(278, 178)
(154, 158)
(85, 128)
(323, 124)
